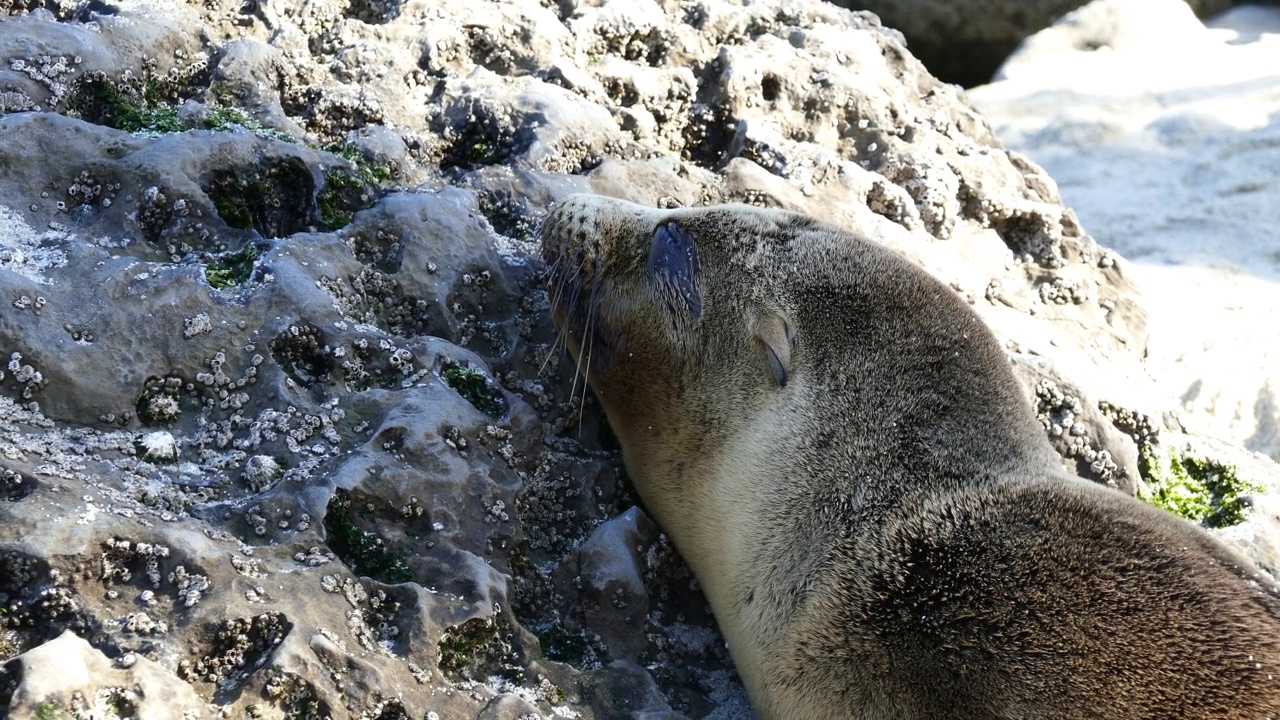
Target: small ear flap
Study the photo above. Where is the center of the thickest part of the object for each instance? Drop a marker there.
(777, 337)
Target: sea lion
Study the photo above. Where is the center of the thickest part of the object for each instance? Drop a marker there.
(837, 446)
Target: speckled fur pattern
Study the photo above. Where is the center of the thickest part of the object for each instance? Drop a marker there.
(887, 533)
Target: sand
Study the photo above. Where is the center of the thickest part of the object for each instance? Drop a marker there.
(1163, 134)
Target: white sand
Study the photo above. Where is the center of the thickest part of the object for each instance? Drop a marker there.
(1166, 141)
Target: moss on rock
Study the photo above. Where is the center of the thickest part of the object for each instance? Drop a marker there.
(474, 386)
(364, 551)
(478, 649)
(346, 191)
(1196, 488)
(135, 107)
(231, 269)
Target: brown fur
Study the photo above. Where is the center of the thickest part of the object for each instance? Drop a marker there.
(837, 446)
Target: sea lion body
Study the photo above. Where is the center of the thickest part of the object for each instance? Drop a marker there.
(837, 446)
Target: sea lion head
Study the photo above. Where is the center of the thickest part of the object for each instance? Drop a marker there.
(658, 304)
(691, 323)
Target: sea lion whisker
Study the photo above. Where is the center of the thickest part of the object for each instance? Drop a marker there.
(572, 313)
(556, 266)
(566, 290)
(559, 281)
(559, 278)
(583, 366)
(560, 339)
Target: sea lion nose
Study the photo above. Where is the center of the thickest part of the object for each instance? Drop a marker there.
(673, 264)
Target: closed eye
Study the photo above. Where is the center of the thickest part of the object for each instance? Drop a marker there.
(673, 265)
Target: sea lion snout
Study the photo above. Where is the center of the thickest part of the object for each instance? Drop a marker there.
(609, 258)
(570, 244)
(597, 264)
(588, 240)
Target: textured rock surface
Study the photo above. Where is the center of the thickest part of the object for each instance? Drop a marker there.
(67, 673)
(965, 41)
(281, 410)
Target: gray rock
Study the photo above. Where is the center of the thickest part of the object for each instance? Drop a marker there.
(612, 570)
(68, 675)
(250, 71)
(1103, 25)
(627, 691)
(45, 58)
(1090, 443)
(508, 707)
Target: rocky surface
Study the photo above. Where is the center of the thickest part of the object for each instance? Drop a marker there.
(965, 41)
(282, 424)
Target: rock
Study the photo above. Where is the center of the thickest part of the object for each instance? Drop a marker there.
(47, 57)
(627, 690)
(1259, 537)
(614, 596)
(282, 410)
(67, 674)
(508, 707)
(1130, 26)
(251, 71)
(1078, 426)
(1102, 100)
(965, 42)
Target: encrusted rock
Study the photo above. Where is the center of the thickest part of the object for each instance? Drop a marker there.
(67, 677)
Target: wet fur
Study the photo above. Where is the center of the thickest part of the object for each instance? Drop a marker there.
(883, 530)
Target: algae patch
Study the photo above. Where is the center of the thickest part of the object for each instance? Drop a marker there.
(343, 193)
(347, 191)
(276, 198)
(364, 551)
(150, 106)
(366, 171)
(564, 645)
(473, 386)
(1196, 488)
(479, 648)
(231, 269)
(134, 107)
